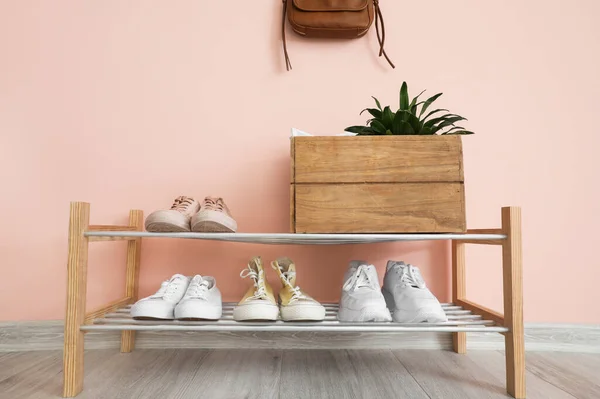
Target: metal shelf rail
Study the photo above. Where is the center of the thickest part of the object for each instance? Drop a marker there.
(464, 315)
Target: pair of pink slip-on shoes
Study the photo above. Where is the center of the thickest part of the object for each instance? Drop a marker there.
(187, 214)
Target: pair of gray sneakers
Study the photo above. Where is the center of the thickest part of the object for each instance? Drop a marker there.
(404, 297)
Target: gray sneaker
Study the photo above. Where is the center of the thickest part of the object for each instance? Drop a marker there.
(407, 296)
(361, 299)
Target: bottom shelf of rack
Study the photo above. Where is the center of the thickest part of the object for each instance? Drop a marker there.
(459, 320)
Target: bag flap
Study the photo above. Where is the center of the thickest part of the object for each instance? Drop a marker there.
(331, 5)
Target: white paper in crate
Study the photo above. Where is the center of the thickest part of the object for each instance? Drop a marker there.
(298, 132)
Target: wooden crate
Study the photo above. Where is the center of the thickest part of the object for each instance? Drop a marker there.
(377, 184)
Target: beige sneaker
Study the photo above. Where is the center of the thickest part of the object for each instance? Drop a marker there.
(175, 219)
(214, 217)
(259, 301)
(296, 305)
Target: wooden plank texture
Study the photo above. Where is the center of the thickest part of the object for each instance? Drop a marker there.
(345, 374)
(76, 296)
(380, 208)
(447, 375)
(459, 290)
(192, 374)
(512, 266)
(578, 374)
(486, 313)
(111, 307)
(376, 159)
(134, 251)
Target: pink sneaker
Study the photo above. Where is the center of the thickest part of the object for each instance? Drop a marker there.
(175, 219)
(214, 217)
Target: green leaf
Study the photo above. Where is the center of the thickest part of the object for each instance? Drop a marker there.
(413, 108)
(388, 132)
(356, 129)
(426, 131)
(428, 102)
(451, 121)
(464, 132)
(433, 112)
(404, 96)
(454, 128)
(377, 102)
(413, 104)
(373, 111)
(443, 118)
(397, 123)
(378, 127)
(411, 119)
(387, 117)
(406, 129)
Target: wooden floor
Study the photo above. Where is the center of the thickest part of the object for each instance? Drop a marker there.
(291, 374)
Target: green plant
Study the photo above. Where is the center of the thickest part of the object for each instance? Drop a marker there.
(410, 118)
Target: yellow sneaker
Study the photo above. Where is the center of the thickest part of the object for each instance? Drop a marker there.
(295, 304)
(259, 302)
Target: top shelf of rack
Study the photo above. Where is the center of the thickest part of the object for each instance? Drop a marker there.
(290, 238)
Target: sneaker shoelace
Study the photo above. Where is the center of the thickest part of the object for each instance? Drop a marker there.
(167, 288)
(410, 276)
(181, 203)
(296, 291)
(213, 204)
(361, 278)
(198, 288)
(260, 291)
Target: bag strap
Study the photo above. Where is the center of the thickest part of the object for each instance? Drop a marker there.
(380, 36)
(288, 64)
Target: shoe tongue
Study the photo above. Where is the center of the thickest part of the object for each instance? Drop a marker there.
(176, 276)
(255, 264)
(392, 263)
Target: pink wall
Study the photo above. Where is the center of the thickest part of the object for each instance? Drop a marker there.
(129, 104)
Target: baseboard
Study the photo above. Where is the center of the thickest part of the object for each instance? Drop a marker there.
(48, 335)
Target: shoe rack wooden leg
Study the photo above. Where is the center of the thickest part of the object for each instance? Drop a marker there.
(134, 249)
(76, 295)
(513, 302)
(459, 339)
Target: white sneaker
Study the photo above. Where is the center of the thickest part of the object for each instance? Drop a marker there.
(162, 303)
(407, 296)
(202, 300)
(176, 219)
(361, 295)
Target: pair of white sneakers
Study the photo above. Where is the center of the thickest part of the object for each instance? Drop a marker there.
(182, 297)
(404, 297)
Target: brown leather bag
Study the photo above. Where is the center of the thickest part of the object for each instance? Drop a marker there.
(345, 19)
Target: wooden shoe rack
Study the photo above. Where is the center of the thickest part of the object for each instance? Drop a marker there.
(464, 315)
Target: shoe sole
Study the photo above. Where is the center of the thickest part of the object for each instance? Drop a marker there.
(427, 314)
(199, 313)
(256, 312)
(364, 315)
(208, 221)
(167, 222)
(151, 314)
(302, 313)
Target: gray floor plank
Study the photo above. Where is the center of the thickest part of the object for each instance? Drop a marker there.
(43, 378)
(494, 363)
(312, 374)
(141, 374)
(345, 374)
(447, 375)
(578, 374)
(232, 374)
(376, 374)
(14, 363)
(293, 374)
